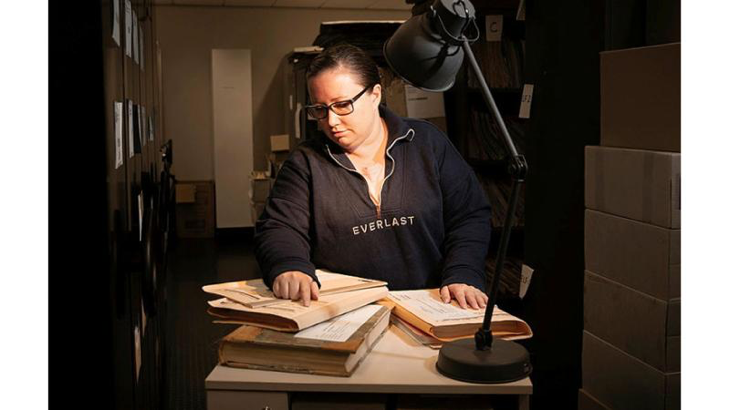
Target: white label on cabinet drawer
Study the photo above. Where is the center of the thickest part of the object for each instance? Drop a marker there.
(526, 101)
(525, 279)
(494, 28)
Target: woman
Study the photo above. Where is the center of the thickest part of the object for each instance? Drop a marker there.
(381, 197)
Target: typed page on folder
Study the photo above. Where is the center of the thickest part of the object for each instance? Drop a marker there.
(427, 304)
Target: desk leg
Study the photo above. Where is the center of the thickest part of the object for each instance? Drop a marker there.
(523, 402)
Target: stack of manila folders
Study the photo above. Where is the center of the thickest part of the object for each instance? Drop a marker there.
(334, 334)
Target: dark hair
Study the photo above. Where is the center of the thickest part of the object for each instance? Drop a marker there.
(347, 56)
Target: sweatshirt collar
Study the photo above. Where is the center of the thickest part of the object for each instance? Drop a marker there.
(397, 130)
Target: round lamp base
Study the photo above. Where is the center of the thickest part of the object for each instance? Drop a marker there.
(505, 362)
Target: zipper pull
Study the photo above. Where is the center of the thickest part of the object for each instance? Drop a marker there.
(377, 211)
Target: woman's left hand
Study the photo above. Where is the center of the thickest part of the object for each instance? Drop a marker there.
(464, 295)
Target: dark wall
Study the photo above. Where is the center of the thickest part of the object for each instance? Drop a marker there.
(79, 312)
(563, 40)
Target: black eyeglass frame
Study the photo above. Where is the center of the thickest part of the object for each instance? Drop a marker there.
(328, 108)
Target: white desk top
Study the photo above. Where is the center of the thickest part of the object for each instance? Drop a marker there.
(397, 364)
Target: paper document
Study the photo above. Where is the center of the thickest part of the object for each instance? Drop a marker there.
(152, 125)
(428, 305)
(135, 37)
(115, 24)
(255, 294)
(118, 134)
(128, 28)
(340, 328)
(130, 127)
(143, 126)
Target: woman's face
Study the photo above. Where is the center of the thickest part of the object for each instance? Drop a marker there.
(362, 124)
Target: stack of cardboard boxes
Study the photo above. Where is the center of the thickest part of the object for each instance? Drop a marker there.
(263, 181)
(195, 209)
(261, 185)
(631, 338)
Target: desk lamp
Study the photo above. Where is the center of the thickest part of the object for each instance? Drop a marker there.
(427, 51)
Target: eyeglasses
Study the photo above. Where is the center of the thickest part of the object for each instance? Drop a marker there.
(346, 107)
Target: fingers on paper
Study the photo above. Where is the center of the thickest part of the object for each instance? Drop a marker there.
(315, 291)
(445, 294)
(460, 297)
(305, 292)
(471, 298)
(296, 286)
(466, 296)
(483, 299)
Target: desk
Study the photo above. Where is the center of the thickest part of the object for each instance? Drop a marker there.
(397, 364)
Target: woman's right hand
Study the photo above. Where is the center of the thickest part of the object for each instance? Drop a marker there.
(296, 285)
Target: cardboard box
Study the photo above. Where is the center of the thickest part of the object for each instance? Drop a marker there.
(636, 254)
(621, 381)
(185, 193)
(279, 142)
(640, 98)
(588, 402)
(408, 101)
(196, 219)
(636, 184)
(276, 161)
(260, 189)
(256, 209)
(640, 325)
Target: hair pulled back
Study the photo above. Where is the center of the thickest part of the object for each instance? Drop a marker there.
(349, 57)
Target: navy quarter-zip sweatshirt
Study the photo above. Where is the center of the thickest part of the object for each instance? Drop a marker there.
(432, 227)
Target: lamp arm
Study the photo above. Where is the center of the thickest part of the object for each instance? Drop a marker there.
(518, 171)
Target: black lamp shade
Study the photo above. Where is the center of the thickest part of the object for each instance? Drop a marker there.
(421, 51)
